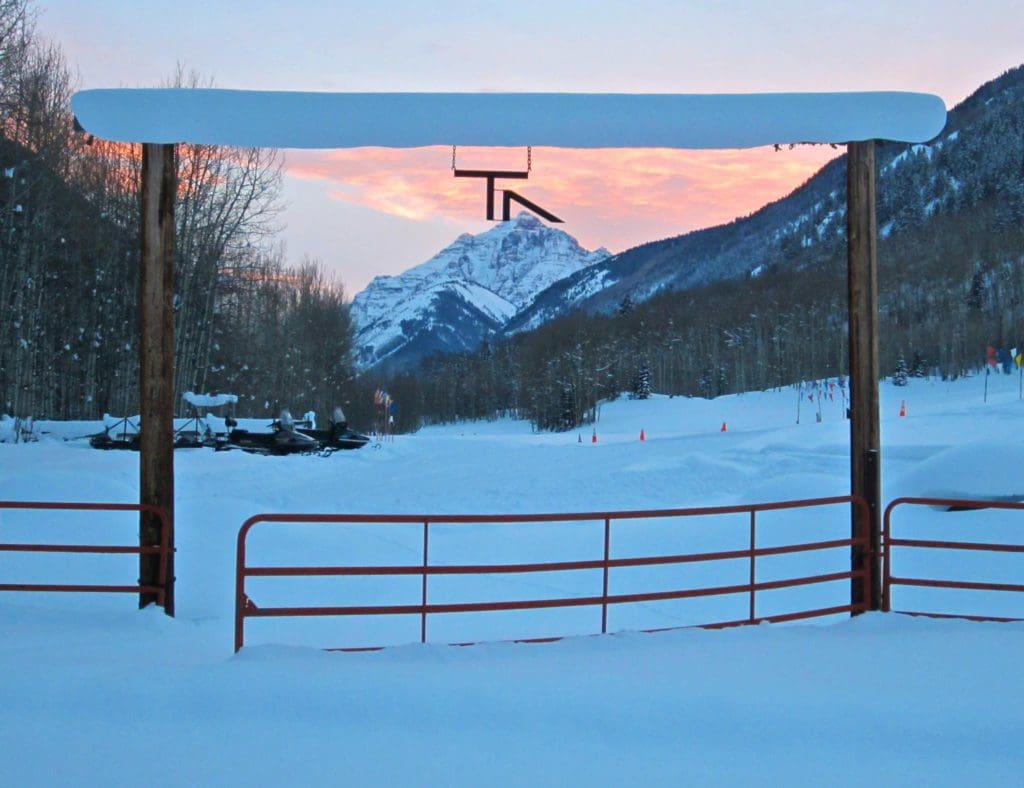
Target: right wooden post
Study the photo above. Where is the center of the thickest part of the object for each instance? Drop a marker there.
(862, 288)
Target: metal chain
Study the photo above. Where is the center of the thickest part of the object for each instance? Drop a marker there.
(529, 158)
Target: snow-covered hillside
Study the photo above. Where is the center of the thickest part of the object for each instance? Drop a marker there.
(469, 290)
(95, 692)
(948, 177)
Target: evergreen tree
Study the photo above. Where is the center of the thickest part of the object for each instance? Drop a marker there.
(917, 366)
(640, 386)
(705, 384)
(567, 416)
(976, 292)
(899, 376)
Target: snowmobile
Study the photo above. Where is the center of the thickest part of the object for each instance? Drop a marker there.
(337, 436)
(284, 439)
(193, 434)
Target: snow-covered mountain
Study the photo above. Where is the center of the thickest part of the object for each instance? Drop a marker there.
(465, 293)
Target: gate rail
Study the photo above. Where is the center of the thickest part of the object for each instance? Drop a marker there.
(889, 580)
(161, 591)
(859, 544)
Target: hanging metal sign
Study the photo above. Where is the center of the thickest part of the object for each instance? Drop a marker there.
(508, 196)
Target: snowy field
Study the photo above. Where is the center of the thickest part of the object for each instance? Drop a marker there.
(95, 692)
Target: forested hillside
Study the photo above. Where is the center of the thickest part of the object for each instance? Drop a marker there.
(245, 322)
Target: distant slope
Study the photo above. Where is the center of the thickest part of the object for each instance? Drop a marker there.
(698, 258)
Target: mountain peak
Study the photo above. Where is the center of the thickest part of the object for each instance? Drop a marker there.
(491, 276)
(526, 220)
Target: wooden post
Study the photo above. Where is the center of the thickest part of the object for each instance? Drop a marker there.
(862, 286)
(156, 362)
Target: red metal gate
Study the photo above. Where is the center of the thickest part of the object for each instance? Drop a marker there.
(164, 588)
(889, 579)
(246, 608)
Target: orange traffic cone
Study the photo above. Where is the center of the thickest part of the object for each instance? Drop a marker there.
(903, 408)
(723, 427)
(593, 438)
(642, 436)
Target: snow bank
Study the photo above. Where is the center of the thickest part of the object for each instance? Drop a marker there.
(86, 699)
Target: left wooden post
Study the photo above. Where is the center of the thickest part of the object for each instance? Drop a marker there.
(156, 366)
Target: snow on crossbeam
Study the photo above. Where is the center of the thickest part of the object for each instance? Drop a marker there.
(275, 119)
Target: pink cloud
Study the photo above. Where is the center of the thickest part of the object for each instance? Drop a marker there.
(612, 198)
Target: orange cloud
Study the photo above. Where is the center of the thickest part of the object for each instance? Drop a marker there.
(613, 198)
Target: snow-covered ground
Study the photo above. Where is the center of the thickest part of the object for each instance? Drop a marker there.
(95, 692)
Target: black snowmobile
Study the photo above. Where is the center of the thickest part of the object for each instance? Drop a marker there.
(284, 439)
(337, 436)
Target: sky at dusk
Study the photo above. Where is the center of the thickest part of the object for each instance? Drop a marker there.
(371, 211)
